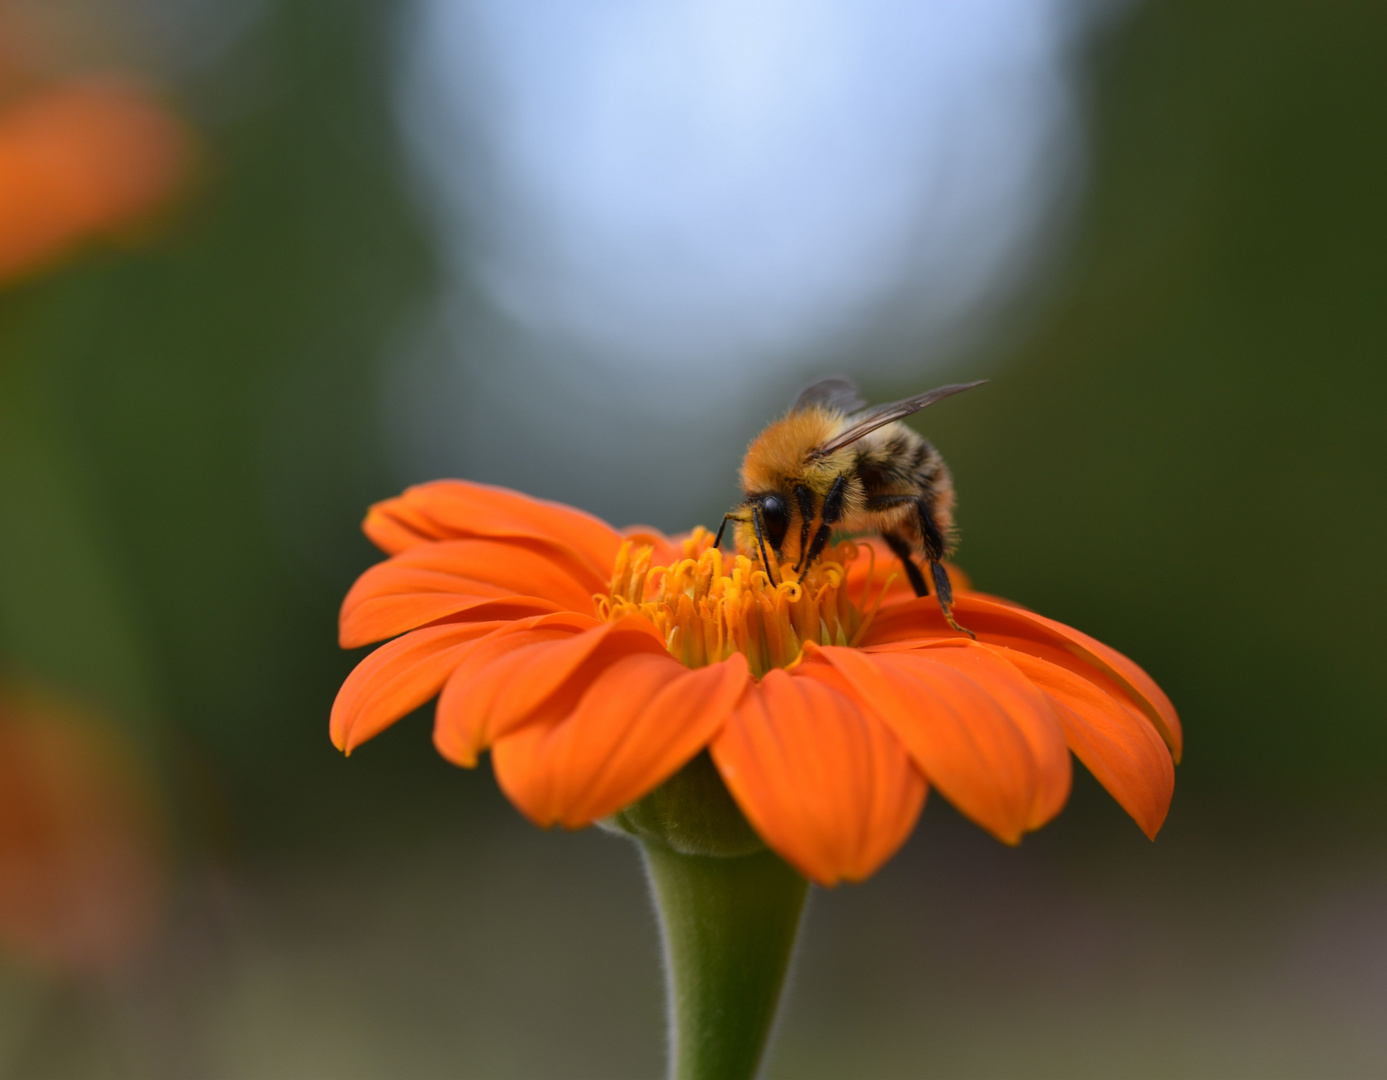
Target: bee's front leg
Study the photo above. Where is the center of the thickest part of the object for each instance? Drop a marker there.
(729, 516)
(832, 514)
(805, 498)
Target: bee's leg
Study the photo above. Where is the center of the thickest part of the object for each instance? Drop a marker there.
(760, 539)
(934, 552)
(903, 551)
(899, 545)
(717, 542)
(832, 514)
(805, 498)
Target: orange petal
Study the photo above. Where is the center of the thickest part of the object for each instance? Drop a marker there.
(437, 580)
(1030, 710)
(1150, 698)
(530, 674)
(460, 509)
(667, 550)
(383, 617)
(826, 786)
(953, 714)
(1119, 747)
(639, 721)
(399, 677)
(1007, 624)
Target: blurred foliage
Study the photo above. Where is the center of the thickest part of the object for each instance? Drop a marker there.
(1185, 457)
(191, 432)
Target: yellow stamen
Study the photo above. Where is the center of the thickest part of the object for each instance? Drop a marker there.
(709, 605)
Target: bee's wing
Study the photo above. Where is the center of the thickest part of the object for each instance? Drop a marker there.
(882, 415)
(835, 393)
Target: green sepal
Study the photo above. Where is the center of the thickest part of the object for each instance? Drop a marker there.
(691, 813)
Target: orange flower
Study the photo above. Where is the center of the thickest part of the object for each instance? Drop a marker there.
(595, 663)
(83, 860)
(81, 160)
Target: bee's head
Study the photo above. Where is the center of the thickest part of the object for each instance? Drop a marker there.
(773, 508)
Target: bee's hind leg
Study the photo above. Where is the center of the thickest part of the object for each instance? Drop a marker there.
(944, 590)
(934, 553)
(905, 553)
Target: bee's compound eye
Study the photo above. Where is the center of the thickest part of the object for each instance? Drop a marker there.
(775, 519)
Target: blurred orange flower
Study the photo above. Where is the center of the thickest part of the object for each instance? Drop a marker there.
(596, 663)
(81, 160)
(82, 860)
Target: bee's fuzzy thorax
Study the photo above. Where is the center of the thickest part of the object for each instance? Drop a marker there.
(783, 448)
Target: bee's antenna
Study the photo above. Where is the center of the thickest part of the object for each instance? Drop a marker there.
(760, 539)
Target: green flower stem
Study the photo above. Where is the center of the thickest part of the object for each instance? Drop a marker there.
(729, 925)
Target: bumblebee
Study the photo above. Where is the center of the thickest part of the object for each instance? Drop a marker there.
(833, 463)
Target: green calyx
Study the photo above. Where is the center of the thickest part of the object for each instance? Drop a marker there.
(691, 813)
(729, 911)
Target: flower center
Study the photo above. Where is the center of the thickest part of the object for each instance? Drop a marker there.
(709, 605)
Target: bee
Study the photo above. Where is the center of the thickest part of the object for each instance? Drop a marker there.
(832, 463)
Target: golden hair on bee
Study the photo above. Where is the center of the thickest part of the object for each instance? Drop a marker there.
(831, 463)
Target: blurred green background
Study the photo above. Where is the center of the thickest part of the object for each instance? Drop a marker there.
(1181, 452)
